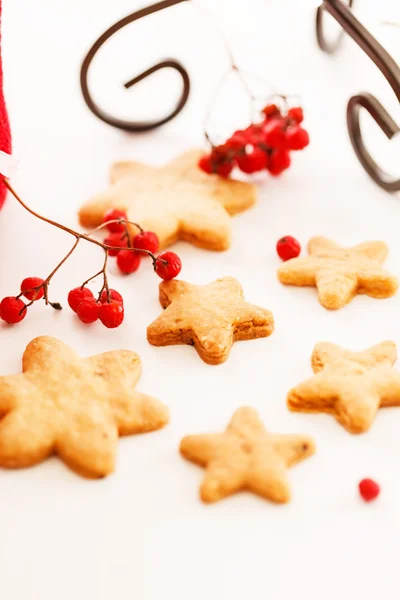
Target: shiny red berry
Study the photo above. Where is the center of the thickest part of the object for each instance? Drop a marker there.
(28, 285)
(224, 169)
(205, 164)
(253, 133)
(146, 240)
(274, 133)
(279, 162)
(297, 138)
(113, 214)
(168, 265)
(12, 310)
(270, 111)
(296, 114)
(369, 489)
(255, 160)
(88, 310)
(288, 247)
(111, 314)
(114, 295)
(77, 295)
(128, 261)
(237, 141)
(115, 239)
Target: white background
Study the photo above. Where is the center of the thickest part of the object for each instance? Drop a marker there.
(142, 533)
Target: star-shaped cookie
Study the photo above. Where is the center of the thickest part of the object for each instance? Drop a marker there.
(177, 201)
(74, 407)
(349, 385)
(341, 273)
(246, 457)
(209, 317)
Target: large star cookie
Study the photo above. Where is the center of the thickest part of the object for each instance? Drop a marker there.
(74, 407)
(341, 273)
(349, 385)
(246, 457)
(209, 317)
(178, 201)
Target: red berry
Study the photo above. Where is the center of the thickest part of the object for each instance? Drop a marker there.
(146, 240)
(111, 314)
(168, 265)
(114, 295)
(224, 169)
(112, 214)
(274, 133)
(88, 310)
(253, 133)
(77, 295)
(128, 261)
(279, 162)
(205, 164)
(369, 489)
(29, 283)
(12, 310)
(296, 114)
(288, 247)
(115, 239)
(297, 138)
(256, 160)
(237, 141)
(270, 111)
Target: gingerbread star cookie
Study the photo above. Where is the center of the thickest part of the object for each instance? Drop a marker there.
(349, 385)
(209, 317)
(177, 201)
(74, 407)
(246, 457)
(341, 273)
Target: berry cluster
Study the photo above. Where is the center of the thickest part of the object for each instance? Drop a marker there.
(109, 307)
(263, 145)
(13, 309)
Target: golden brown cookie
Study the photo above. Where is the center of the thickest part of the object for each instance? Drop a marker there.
(246, 457)
(74, 407)
(209, 317)
(349, 385)
(341, 273)
(177, 201)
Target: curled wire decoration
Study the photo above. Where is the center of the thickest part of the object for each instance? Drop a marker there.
(391, 71)
(135, 126)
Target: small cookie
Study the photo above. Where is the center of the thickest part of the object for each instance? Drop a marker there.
(349, 385)
(177, 201)
(74, 407)
(246, 457)
(341, 273)
(209, 317)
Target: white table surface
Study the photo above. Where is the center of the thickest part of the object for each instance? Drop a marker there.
(142, 532)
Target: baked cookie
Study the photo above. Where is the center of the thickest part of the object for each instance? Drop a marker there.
(341, 273)
(177, 201)
(74, 407)
(209, 317)
(349, 385)
(246, 457)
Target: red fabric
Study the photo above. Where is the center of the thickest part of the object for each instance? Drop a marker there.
(5, 134)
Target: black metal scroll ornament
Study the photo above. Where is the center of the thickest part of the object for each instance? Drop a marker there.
(344, 16)
(167, 63)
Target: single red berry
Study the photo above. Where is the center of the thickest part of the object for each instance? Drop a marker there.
(237, 141)
(279, 162)
(205, 163)
(111, 314)
(115, 239)
(146, 240)
(288, 247)
(113, 214)
(168, 265)
(253, 133)
(270, 111)
(296, 114)
(297, 138)
(28, 284)
(274, 133)
(12, 310)
(128, 261)
(114, 295)
(253, 161)
(88, 310)
(224, 169)
(77, 295)
(369, 489)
